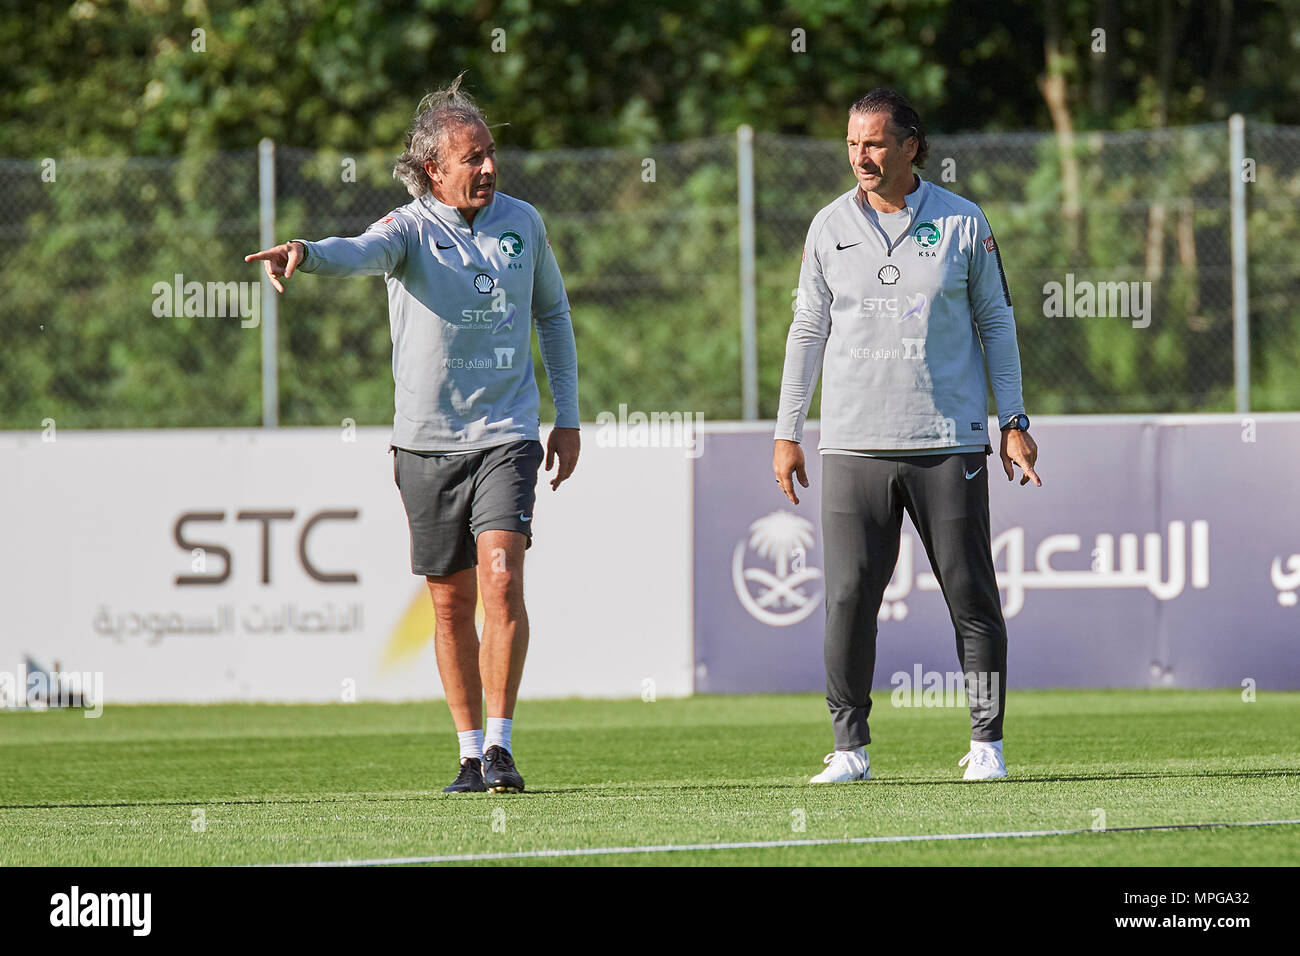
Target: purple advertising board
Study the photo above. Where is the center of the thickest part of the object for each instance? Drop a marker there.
(1160, 551)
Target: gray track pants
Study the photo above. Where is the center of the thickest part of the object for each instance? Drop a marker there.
(862, 514)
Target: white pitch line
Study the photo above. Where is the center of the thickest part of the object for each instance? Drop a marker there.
(765, 844)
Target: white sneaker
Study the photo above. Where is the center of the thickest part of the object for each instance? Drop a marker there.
(845, 765)
(983, 763)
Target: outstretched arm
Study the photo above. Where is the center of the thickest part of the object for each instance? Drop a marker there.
(380, 250)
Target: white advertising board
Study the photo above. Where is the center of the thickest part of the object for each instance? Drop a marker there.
(207, 565)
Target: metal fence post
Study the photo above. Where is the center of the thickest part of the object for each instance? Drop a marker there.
(748, 273)
(270, 304)
(1240, 287)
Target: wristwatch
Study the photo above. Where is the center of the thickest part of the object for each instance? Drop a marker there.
(1020, 423)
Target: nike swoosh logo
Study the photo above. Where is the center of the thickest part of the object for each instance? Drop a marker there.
(524, 517)
(972, 474)
(441, 246)
(840, 245)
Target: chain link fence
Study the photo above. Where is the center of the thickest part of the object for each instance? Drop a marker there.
(1273, 225)
(125, 301)
(646, 243)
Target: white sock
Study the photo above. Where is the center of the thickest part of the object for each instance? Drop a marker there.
(471, 744)
(995, 745)
(498, 733)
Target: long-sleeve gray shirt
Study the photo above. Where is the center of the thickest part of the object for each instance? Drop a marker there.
(461, 303)
(901, 328)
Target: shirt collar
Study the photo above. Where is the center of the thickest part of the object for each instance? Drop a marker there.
(911, 201)
(915, 197)
(451, 213)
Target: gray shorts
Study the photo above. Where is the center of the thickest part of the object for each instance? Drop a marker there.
(451, 499)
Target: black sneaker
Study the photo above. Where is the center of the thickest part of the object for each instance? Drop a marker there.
(499, 773)
(470, 778)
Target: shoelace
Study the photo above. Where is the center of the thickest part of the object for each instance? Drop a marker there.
(503, 758)
(982, 757)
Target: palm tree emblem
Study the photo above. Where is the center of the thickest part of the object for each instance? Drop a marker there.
(782, 595)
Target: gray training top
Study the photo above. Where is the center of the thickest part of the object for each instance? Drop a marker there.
(461, 303)
(901, 327)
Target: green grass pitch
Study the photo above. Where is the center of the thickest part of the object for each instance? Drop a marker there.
(226, 784)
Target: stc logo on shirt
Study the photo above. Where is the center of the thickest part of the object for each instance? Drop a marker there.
(500, 314)
(891, 307)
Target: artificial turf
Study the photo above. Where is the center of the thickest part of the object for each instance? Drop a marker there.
(262, 783)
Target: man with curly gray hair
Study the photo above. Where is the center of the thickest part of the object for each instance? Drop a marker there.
(469, 271)
(438, 113)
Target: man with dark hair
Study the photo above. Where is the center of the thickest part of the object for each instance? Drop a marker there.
(469, 270)
(902, 305)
